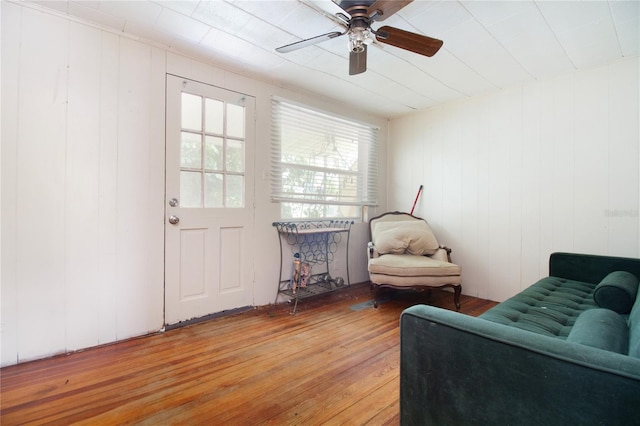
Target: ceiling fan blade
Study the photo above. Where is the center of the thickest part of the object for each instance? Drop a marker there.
(308, 42)
(386, 8)
(358, 61)
(406, 40)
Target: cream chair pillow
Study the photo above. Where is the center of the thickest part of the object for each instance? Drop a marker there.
(413, 237)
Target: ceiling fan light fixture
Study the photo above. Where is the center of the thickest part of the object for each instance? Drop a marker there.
(358, 38)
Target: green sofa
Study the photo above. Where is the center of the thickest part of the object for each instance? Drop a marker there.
(565, 351)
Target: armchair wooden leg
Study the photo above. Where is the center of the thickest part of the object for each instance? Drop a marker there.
(375, 290)
(456, 296)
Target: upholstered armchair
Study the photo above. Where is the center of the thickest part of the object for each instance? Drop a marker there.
(404, 254)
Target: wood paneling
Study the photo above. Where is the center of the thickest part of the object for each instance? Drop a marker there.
(328, 364)
(11, 22)
(623, 159)
(40, 183)
(84, 145)
(82, 197)
(140, 193)
(519, 174)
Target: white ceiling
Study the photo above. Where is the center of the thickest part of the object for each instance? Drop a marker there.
(488, 45)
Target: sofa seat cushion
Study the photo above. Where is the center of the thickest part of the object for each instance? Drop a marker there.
(549, 307)
(412, 266)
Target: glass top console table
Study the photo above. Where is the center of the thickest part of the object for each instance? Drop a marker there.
(307, 251)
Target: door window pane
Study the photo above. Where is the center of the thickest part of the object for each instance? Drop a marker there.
(213, 190)
(235, 156)
(191, 112)
(235, 121)
(213, 153)
(234, 196)
(214, 116)
(191, 150)
(190, 189)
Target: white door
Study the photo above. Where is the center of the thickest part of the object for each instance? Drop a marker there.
(209, 200)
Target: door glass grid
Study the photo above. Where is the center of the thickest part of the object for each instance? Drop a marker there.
(212, 153)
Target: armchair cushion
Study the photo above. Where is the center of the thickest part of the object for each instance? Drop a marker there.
(413, 237)
(412, 266)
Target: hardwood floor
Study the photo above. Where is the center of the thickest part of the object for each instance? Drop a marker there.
(334, 362)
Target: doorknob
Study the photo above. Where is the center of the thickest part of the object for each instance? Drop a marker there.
(174, 219)
(173, 202)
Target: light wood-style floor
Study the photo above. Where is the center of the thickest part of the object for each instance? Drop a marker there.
(328, 364)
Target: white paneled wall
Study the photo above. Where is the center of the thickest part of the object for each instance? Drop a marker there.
(513, 176)
(82, 190)
(83, 157)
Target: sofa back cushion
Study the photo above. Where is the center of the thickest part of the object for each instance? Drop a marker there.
(601, 328)
(617, 291)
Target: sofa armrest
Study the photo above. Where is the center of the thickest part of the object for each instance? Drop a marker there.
(588, 267)
(458, 369)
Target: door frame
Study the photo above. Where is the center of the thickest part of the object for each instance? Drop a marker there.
(249, 194)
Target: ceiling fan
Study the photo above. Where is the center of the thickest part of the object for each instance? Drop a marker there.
(362, 14)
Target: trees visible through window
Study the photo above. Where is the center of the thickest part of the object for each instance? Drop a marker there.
(323, 166)
(211, 153)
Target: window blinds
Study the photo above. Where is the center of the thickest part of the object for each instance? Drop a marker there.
(321, 159)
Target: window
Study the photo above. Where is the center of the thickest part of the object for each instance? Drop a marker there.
(322, 166)
(211, 153)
